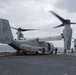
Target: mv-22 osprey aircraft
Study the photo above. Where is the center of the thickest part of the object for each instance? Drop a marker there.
(37, 45)
(67, 31)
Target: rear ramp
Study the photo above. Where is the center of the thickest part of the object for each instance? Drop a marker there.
(6, 36)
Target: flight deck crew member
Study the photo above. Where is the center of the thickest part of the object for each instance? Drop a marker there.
(56, 50)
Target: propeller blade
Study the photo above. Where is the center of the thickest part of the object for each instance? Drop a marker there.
(60, 18)
(59, 26)
(72, 23)
(14, 28)
(28, 29)
(20, 29)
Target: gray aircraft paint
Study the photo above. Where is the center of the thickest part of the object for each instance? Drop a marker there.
(5, 32)
(67, 33)
(19, 35)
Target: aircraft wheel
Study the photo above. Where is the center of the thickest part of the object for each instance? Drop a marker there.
(21, 52)
(51, 52)
(64, 51)
(25, 53)
(43, 50)
(36, 53)
(18, 52)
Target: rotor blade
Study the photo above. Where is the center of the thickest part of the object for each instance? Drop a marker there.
(59, 26)
(28, 29)
(72, 23)
(60, 18)
(14, 28)
(20, 29)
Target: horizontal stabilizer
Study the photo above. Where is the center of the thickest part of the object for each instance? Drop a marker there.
(5, 32)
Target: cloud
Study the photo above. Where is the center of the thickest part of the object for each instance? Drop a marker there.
(23, 12)
(68, 5)
(27, 13)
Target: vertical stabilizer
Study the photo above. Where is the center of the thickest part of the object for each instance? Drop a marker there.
(5, 32)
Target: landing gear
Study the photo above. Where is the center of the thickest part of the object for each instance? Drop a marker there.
(18, 53)
(43, 51)
(51, 52)
(21, 52)
(36, 53)
(64, 51)
(75, 47)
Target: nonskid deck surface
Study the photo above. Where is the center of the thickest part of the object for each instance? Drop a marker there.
(38, 65)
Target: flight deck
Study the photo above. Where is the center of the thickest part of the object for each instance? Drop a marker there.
(38, 65)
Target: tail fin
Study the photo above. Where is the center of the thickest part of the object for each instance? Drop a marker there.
(5, 32)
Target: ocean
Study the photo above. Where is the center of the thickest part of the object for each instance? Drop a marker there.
(6, 48)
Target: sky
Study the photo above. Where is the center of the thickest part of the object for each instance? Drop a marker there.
(35, 14)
